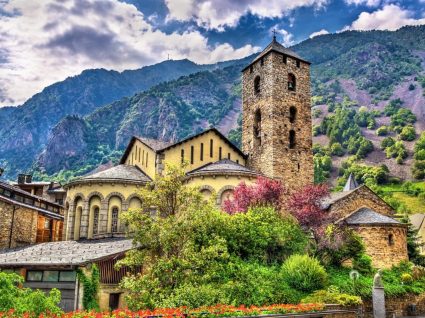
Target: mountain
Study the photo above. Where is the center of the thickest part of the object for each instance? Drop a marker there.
(349, 70)
(26, 130)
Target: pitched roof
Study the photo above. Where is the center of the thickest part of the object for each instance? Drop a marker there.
(368, 216)
(333, 197)
(351, 184)
(64, 252)
(222, 166)
(417, 220)
(275, 46)
(160, 146)
(117, 173)
(154, 144)
(16, 196)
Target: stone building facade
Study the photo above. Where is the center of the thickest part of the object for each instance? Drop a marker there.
(27, 219)
(365, 212)
(276, 134)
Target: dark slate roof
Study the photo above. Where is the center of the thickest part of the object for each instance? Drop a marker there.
(351, 184)
(154, 144)
(117, 173)
(64, 253)
(277, 47)
(222, 166)
(368, 216)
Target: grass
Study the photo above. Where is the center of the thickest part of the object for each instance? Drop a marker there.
(414, 204)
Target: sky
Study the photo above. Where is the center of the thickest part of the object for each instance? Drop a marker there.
(45, 41)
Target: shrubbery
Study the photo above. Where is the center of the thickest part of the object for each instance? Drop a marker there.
(304, 273)
(24, 300)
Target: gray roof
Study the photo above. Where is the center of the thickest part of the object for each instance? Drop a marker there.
(333, 197)
(155, 144)
(417, 220)
(119, 173)
(277, 47)
(222, 166)
(368, 216)
(351, 183)
(64, 253)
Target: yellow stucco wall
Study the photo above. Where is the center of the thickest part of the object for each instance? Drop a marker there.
(218, 184)
(142, 157)
(102, 195)
(87, 189)
(173, 155)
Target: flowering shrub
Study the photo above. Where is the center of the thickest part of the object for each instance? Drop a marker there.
(212, 311)
(264, 192)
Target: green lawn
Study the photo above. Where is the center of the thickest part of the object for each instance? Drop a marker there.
(414, 204)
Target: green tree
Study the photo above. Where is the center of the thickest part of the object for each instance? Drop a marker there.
(193, 254)
(408, 133)
(382, 131)
(24, 300)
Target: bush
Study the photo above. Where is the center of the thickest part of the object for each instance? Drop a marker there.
(408, 133)
(304, 273)
(363, 264)
(382, 131)
(387, 142)
(25, 300)
(406, 278)
(337, 150)
(332, 296)
(412, 87)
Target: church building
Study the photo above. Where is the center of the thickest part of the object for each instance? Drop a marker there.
(276, 143)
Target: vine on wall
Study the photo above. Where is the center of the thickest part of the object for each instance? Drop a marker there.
(90, 287)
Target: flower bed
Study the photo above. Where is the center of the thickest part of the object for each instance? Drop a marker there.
(212, 311)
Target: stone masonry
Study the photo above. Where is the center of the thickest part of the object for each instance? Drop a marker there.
(24, 226)
(271, 153)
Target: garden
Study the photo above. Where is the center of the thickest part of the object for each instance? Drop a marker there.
(255, 256)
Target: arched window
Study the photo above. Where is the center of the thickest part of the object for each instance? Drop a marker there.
(95, 220)
(182, 155)
(257, 87)
(292, 140)
(114, 223)
(390, 239)
(292, 83)
(292, 114)
(257, 126)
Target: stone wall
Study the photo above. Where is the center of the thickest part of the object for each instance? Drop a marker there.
(267, 143)
(361, 197)
(24, 226)
(386, 245)
(398, 306)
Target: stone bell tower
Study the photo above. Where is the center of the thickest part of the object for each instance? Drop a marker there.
(276, 127)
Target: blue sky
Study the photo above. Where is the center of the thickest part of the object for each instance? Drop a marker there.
(45, 41)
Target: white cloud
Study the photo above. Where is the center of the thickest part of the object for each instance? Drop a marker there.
(369, 3)
(42, 42)
(288, 38)
(321, 32)
(218, 14)
(390, 17)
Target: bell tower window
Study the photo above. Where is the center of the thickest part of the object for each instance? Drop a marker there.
(292, 140)
(292, 114)
(257, 127)
(257, 85)
(291, 82)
